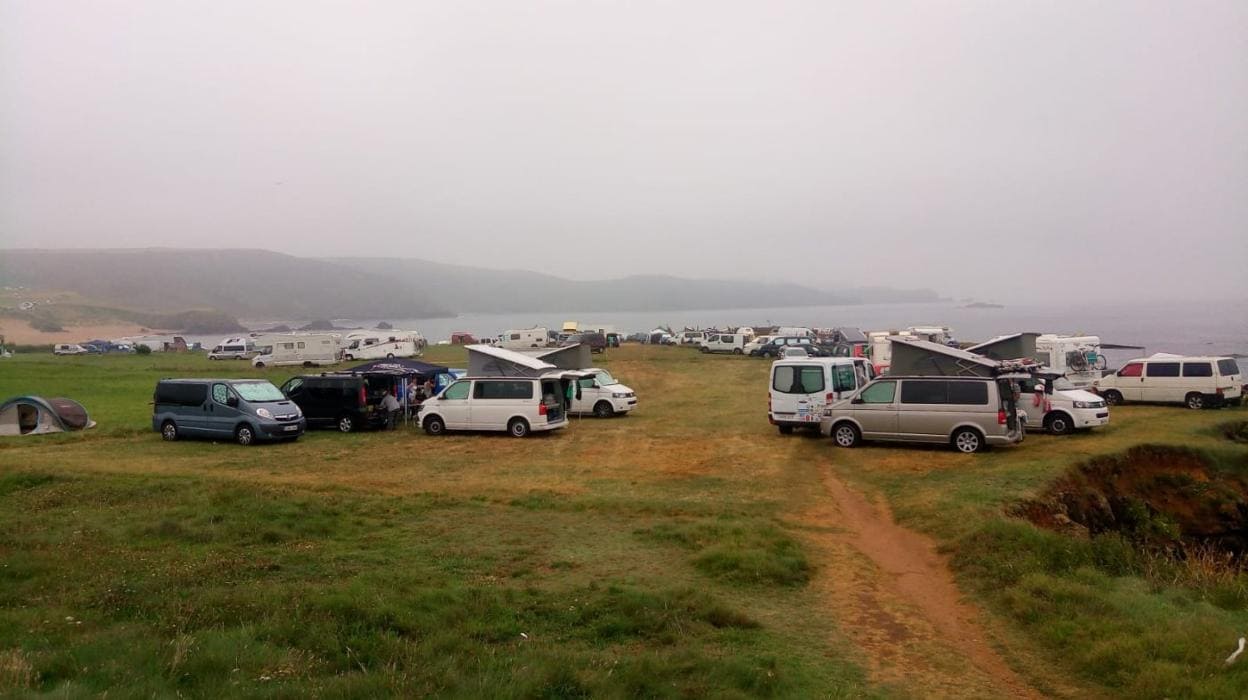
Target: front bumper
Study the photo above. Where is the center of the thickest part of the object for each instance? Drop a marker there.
(280, 430)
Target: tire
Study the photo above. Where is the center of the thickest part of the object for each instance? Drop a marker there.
(705, 350)
(308, 363)
(1195, 401)
(604, 409)
(169, 431)
(346, 424)
(736, 351)
(1059, 423)
(389, 356)
(434, 426)
(785, 429)
(967, 441)
(846, 435)
(244, 435)
(518, 427)
(1112, 398)
(348, 358)
(259, 365)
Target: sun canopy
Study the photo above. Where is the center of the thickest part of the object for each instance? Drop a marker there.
(35, 415)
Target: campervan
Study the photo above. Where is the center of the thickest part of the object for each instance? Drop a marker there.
(941, 335)
(802, 386)
(374, 345)
(233, 349)
(518, 405)
(69, 349)
(1196, 382)
(724, 342)
(1053, 404)
(688, 337)
(602, 395)
(524, 338)
(794, 330)
(306, 349)
(246, 410)
(1077, 357)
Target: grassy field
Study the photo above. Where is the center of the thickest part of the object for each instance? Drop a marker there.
(685, 550)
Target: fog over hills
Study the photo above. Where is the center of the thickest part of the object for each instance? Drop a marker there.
(264, 284)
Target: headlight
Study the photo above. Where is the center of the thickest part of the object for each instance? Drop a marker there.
(619, 395)
(264, 413)
(1087, 404)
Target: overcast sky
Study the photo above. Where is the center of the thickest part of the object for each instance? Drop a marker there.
(1006, 150)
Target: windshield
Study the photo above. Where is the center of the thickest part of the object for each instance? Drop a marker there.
(258, 392)
(604, 378)
(1063, 384)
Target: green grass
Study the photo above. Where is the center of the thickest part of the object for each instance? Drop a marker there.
(647, 556)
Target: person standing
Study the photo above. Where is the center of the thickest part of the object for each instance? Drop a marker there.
(390, 405)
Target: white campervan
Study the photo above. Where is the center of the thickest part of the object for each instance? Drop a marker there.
(798, 331)
(1054, 404)
(519, 405)
(375, 345)
(306, 349)
(801, 387)
(1197, 382)
(524, 339)
(724, 342)
(233, 349)
(602, 395)
(1077, 357)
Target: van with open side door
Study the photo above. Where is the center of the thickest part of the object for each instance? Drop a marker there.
(1196, 382)
(602, 395)
(519, 405)
(968, 413)
(1051, 402)
(345, 401)
(242, 410)
(802, 386)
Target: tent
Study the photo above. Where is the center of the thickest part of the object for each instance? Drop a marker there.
(1007, 347)
(402, 365)
(911, 356)
(576, 356)
(489, 361)
(35, 415)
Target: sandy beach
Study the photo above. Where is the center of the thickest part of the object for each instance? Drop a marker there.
(19, 332)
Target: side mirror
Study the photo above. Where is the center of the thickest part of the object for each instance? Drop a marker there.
(232, 401)
(857, 399)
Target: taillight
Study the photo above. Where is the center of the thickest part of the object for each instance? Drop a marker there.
(831, 396)
(363, 397)
(1219, 391)
(1001, 418)
(541, 409)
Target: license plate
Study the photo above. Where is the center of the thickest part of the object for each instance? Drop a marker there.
(289, 428)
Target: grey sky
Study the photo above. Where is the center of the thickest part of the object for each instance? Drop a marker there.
(1007, 150)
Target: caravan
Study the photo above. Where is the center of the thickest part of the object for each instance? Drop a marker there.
(524, 339)
(375, 345)
(1077, 357)
(306, 349)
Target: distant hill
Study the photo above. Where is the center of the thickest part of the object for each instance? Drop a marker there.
(264, 284)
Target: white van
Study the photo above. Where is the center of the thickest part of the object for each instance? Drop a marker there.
(69, 349)
(1078, 357)
(1197, 382)
(524, 339)
(724, 342)
(233, 349)
(799, 331)
(375, 345)
(801, 387)
(690, 337)
(305, 349)
(518, 405)
(757, 342)
(602, 395)
(1054, 404)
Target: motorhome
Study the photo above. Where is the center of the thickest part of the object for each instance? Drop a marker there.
(374, 345)
(306, 349)
(941, 335)
(1196, 382)
(524, 339)
(1076, 357)
(881, 348)
(237, 348)
(733, 343)
(799, 331)
(801, 387)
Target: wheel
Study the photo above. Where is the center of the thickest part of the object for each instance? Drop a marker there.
(518, 427)
(968, 441)
(259, 364)
(346, 424)
(846, 435)
(1195, 401)
(389, 356)
(348, 358)
(704, 350)
(210, 357)
(1059, 424)
(603, 409)
(308, 363)
(244, 435)
(736, 351)
(169, 431)
(785, 429)
(434, 426)
(1113, 398)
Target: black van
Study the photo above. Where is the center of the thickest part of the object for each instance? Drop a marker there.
(344, 401)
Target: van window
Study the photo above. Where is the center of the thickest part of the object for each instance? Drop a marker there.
(1163, 369)
(879, 392)
(457, 391)
(1132, 369)
(258, 391)
(843, 378)
(234, 348)
(798, 379)
(515, 336)
(968, 393)
(1227, 367)
(293, 386)
(302, 345)
(181, 394)
(924, 392)
(1197, 369)
(219, 393)
(502, 390)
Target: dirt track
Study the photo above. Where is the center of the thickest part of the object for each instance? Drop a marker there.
(896, 599)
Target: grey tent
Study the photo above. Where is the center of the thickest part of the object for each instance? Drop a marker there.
(35, 415)
(911, 356)
(576, 356)
(489, 361)
(1007, 347)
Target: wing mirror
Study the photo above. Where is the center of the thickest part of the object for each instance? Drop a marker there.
(857, 400)
(232, 401)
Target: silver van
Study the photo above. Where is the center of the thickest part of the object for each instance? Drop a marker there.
(968, 413)
(242, 410)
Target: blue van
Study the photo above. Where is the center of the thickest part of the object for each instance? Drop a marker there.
(244, 410)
